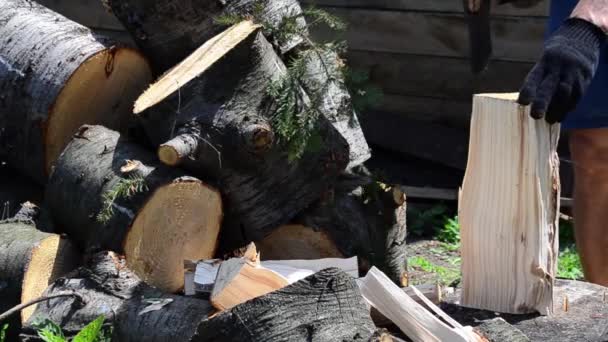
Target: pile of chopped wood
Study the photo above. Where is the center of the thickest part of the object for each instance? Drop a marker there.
(209, 186)
(226, 125)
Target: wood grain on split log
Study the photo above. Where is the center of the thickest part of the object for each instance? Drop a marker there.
(326, 306)
(114, 291)
(55, 75)
(168, 31)
(240, 279)
(365, 220)
(29, 261)
(217, 103)
(509, 209)
(173, 219)
(413, 319)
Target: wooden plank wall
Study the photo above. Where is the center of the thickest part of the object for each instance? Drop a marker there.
(416, 50)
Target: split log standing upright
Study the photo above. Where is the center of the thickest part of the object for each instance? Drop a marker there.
(509, 209)
(223, 118)
(161, 219)
(55, 75)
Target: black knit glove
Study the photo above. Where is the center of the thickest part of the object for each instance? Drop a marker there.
(558, 81)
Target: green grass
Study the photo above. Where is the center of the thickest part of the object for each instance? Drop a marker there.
(569, 264)
(445, 276)
(48, 331)
(3, 332)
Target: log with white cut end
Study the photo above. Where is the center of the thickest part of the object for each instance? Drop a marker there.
(509, 209)
(213, 115)
(418, 323)
(56, 75)
(323, 307)
(135, 310)
(29, 261)
(168, 31)
(108, 193)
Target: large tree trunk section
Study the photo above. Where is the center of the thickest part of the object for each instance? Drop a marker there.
(326, 306)
(109, 288)
(177, 218)
(509, 209)
(324, 82)
(55, 75)
(167, 31)
(29, 261)
(298, 242)
(364, 219)
(219, 123)
(584, 319)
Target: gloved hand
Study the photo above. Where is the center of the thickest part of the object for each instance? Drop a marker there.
(557, 82)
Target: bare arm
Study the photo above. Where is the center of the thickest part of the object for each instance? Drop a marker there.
(593, 11)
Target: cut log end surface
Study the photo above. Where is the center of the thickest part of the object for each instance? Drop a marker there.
(100, 91)
(509, 208)
(298, 242)
(192, 212)
(29, 261)
(52, 258)
(204, 57)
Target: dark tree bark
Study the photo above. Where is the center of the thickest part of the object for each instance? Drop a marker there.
(97, 162)
(366, 220)
(29, 261)
(16, 189)
(326, 306)
(222, 119)
(324, 81)
(110, 289)
(46, 93)
(168, 31)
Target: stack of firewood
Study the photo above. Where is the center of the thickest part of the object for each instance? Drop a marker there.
(228, 125)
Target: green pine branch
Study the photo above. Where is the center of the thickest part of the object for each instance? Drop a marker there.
(125, 188)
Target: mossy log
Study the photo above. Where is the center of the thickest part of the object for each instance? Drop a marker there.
(216, 119)
(167, 31)
(110, 289)
(164, 217)
(29, 261)
(55, 75)
(364, 218)
(326, 306)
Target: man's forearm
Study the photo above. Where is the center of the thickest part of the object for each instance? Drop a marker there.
(593, 11)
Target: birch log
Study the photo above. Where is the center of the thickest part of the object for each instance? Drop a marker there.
(135, 310)
(29, 261)
(166, 218)
(55, 76)
(509, 209)
(168, 31)
(213, 116)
